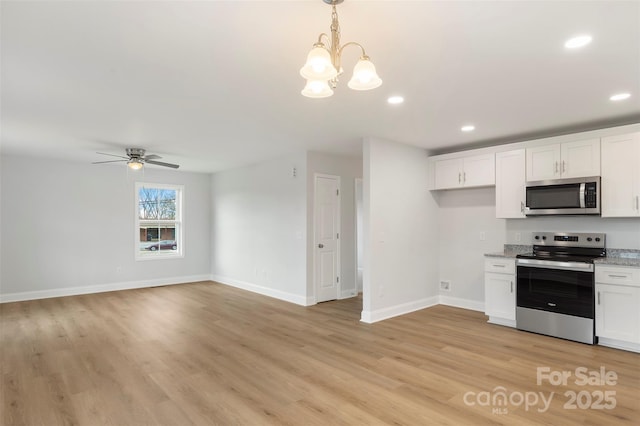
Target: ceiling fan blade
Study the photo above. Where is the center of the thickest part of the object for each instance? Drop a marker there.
(112, 155)
(152, 157)
(110, 161)
(160, 163)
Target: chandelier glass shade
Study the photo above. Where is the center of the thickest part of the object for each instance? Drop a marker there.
(323, 64)
(317, 89)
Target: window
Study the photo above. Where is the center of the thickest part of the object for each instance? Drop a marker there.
(158, 221)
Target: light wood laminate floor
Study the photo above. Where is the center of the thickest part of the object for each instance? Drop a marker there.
(207, 354)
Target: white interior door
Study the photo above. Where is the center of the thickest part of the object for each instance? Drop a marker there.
(326, 237)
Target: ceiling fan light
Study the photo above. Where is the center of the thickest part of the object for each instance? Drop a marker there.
(317, 89)
(364, 75)
(135, 164)
(318, 65)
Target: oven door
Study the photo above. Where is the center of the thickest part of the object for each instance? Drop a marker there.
(564, 291)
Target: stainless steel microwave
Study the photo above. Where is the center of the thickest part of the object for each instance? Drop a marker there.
(574, 196)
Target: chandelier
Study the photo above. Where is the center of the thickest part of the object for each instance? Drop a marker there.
(323, 63)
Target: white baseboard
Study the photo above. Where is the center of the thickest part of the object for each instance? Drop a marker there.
(462, 303)
(345, 294)
(619, 344)
(100, 288)
(265, 291)
(394, 311)
(502, 321)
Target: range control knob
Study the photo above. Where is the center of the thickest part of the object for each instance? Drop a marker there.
(544, 237)
(589, 239)
(598, 239)
(537, 237)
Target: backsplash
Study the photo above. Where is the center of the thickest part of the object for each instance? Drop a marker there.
(623, 253)
(622, 233)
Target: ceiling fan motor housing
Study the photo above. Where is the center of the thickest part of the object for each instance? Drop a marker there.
(135, 152)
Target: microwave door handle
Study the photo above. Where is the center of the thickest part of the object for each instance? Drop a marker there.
(582, 200)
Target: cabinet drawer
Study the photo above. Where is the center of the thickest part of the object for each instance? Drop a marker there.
(618, 275)
(500, 265)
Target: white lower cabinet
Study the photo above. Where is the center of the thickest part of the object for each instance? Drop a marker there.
(618, 306)
(500, 290)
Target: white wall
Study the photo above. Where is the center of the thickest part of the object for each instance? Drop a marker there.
(400, 231)
(359, 230)
(348, 169)
(69, 228)
(258, 233)
(467, 229)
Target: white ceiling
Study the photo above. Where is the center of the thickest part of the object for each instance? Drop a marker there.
(213, 85)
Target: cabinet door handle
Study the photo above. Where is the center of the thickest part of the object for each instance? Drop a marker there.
(617, 276)
(464, 176)
(498, 266)
(522, 207)
(564, 166)
(637, 202)
(459, 177)
(556, 167)
(598, 298)
(511, 286)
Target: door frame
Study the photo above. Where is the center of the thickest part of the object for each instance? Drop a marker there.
(338, 240)
(358, 209)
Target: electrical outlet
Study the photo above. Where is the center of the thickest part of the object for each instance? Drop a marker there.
(445, 285)
(518, 237)
(483, 236)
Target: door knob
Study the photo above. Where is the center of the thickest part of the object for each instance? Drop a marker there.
(320, 245)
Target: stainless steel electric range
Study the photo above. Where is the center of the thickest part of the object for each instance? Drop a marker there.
(556, 286)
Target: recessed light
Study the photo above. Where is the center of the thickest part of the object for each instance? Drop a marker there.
(578, 41)
(468, 128)
(395, 100)
(620, 96)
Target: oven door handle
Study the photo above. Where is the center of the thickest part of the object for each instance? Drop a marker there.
(552, 264)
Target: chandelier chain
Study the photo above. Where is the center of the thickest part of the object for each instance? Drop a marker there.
(335, 44)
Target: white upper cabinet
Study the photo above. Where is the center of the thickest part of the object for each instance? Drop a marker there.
(510, 184)
(543, 162)
(448, 173)
(566, 160)
(465, 172)
(621, 176)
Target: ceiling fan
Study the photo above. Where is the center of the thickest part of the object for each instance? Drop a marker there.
(136, 159)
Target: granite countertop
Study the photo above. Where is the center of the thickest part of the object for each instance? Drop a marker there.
(617, 257)
(620, 257)
(511, 251)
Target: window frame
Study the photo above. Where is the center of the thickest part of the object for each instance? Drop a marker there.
(178, 224)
